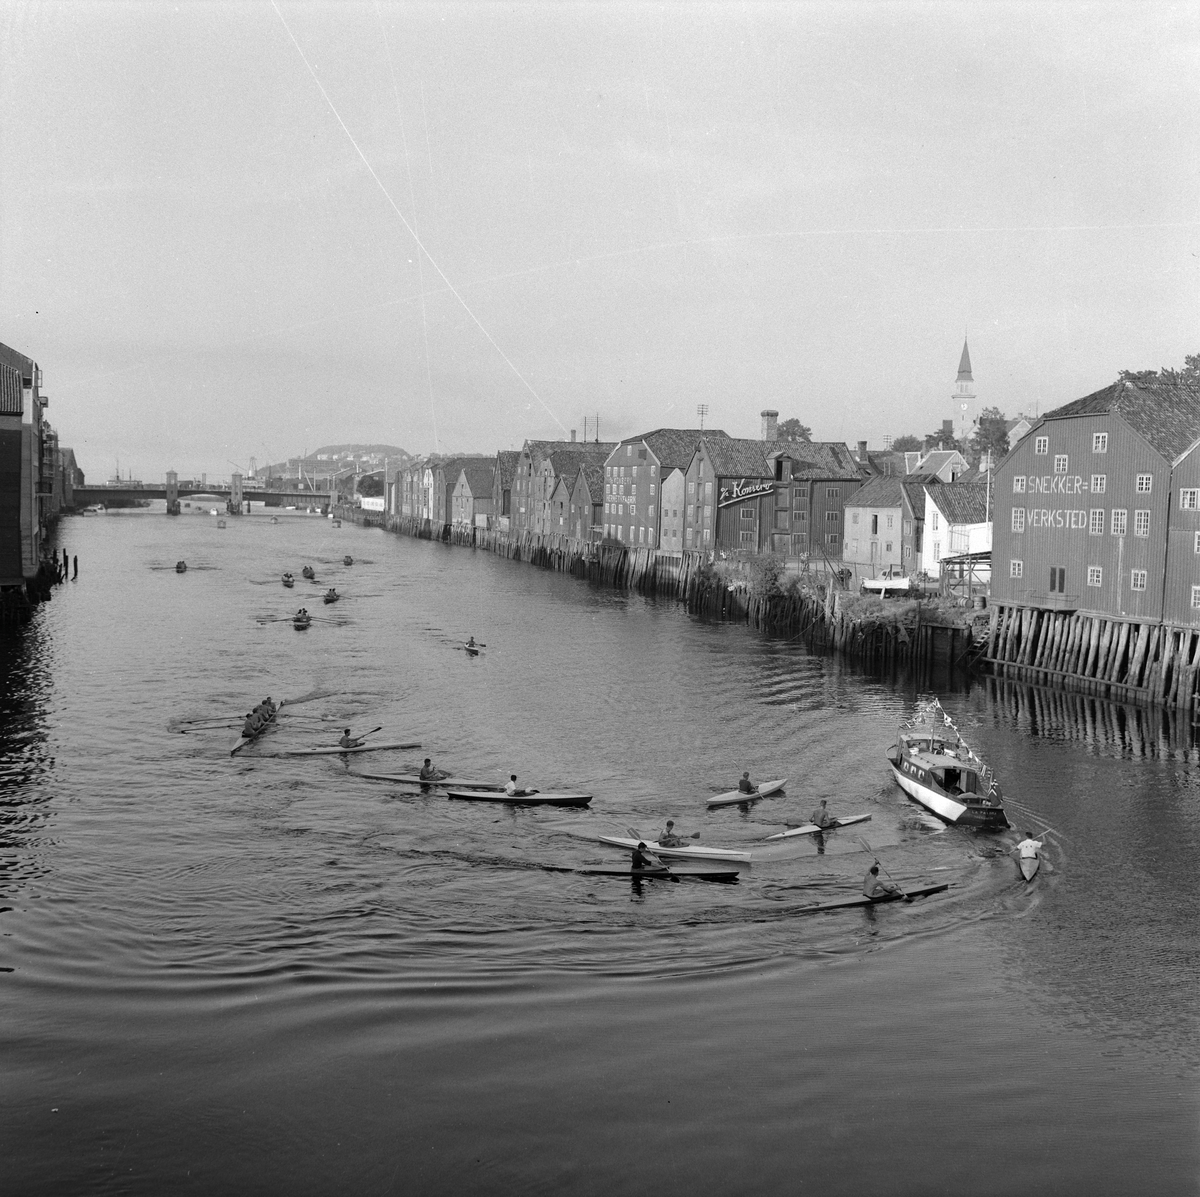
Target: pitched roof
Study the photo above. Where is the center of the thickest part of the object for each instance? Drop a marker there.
(593, 475)
(506, 466)
(961, 503)
(674, 446)
(820, 459)
(480, 475)
(937, 459)
(732, 456)
(1166, 413)
(883, 491)
(964, 365)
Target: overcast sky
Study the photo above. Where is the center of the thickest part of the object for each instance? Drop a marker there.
(245, 229)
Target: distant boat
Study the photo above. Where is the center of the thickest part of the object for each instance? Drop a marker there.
(220, 523)
(274, 519)
(181, 567)
(347, 560)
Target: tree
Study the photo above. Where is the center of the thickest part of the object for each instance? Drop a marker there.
(370, 486)
(907, 444)
(991, 435)
(793, 430)
(939, 440)
(1189, 375)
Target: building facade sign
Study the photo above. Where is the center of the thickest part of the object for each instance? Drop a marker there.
(741, 489)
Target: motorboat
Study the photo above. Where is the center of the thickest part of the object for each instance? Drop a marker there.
(933, 764)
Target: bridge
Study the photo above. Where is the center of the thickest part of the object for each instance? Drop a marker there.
(235, 494)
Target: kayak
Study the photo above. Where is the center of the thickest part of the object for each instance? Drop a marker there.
(413, 779)
(337, 751)
(812, 828)
(762, 791)
(250, 739)
(730, 875)
(687, 851)
(534, 799)
(845, 903)
(1030, 866)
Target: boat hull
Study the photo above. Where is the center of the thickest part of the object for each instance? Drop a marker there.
(245, 740)
(946, 808)
(733, 797)
(339, 751)
(1029, 867)
(724, 875)
(686, 852)
(812, 828)
(520, 799)
(848, 903)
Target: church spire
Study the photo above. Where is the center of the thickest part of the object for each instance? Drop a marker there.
(964, 365)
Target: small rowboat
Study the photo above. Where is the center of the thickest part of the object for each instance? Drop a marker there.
(300, 622)
(687, 851)
(347, 560)
(846, 903)
(414, 779)
(289, 581)
(338, 751)
(331, 596)
(308, 572)
(526, 799)
(735, 796)
(1029, 866)
(181, 567)
(250, 739)
(812, 828)
(729, 876)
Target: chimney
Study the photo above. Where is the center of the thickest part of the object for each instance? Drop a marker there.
(948, 429)
(572, 436)
(770, 425)
(862, 452)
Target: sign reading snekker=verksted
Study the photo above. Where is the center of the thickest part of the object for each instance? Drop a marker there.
(743, 489)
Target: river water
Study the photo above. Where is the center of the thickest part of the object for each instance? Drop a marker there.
(269, 975)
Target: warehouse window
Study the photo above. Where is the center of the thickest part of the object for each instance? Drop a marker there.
(1041, 444)
(887, 547)
(1189, 500)
(1099, 483)
(1095, 575)
(1141, 523)
(1143, 483)
(747, 513)
(854, 517)
(1058, 579)
(1195, 597)
(1018, 519)
(1196, 544)
(1119, 521)
(934, 524)
(1137, 579)
(833, 492)
(1099, 442)
(1096, 522)
(831, 517)
(1060, 463)
(1016, 569)
(1018, 484)
(833, 538)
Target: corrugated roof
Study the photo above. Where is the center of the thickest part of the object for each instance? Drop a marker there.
(883, 491)
(1166, 413)
(674, 446)
(961, 502)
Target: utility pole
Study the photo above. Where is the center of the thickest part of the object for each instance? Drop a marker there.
(701, 411)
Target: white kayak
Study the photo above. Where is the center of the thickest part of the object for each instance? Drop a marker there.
(813, 828)
(336, 751)
(688, 851)
(734, 796)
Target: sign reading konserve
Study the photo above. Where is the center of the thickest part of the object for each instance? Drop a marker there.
(742, 489)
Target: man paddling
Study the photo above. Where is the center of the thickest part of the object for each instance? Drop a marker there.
(744, 786)
(1029, 848)
(823, 817)
(644, 859)
(669, 838)
(252, 726)
(349, 741)
(875, 888)
(429, 773)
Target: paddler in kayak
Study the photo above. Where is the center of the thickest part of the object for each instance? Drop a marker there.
(513, 790)
(429, 773)
(874, 887)
(471, 642)
(1029, 848)
(349, 741)
(641, 860)
(252, 726)
(668, 838)
(822, 816)
(744, 786)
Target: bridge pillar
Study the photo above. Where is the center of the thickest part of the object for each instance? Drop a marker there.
(172, 493)
(234, 506)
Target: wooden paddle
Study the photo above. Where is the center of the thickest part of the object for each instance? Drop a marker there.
(884, 868)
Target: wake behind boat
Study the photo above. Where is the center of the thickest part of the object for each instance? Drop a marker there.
(734, 796)
(933, 764)
(683, 851)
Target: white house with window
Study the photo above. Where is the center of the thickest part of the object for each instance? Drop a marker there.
(957, 522)
(872, 532)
